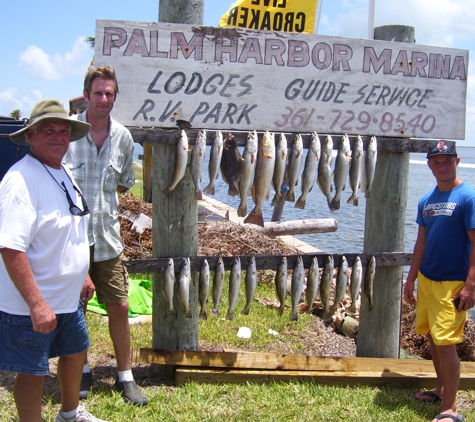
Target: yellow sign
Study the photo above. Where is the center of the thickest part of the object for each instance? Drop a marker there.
(272, 15)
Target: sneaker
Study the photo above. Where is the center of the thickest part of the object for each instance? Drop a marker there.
(130, 392)
(86, 385)
(82, 416)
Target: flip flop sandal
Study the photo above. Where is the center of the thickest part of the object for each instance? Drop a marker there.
(458, 418)
(435, 398)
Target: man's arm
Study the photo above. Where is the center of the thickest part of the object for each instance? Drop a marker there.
(19, 270)
(417, 256)
(467, 293)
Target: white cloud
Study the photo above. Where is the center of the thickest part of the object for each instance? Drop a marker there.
(9, 101)
(43, 66)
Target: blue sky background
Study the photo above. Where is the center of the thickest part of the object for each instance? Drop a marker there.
(44, 54)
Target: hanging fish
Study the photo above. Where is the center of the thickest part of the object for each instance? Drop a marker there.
(234, 286)
(214, 162)
(203, 289)
(295, 163)
(263, 178)
(309, 175)
(341, 284)
(278, 177)
(180, 163)
(251, 284)
(169, 285)
(296, 287)
(355, 170)
(184, 286)
(197, 159)
(325, 284)
(355, 283)
(369, 281)
(340, 173)
(312, 283)
(231, 164)
(281, 284)
(370, 165)
(218, 282)
(249, 168)
(324, 179)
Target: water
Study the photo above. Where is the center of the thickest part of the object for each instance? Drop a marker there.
(349, 237)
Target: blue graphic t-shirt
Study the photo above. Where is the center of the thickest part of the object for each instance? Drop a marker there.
(447, 216)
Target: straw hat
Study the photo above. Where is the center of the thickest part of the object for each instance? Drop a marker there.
(51, 109)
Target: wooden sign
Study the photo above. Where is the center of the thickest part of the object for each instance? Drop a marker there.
(233, 79)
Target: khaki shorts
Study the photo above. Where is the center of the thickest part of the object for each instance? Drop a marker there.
(436, 313)
(110, 279)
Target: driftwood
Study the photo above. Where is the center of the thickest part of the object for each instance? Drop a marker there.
(283, 228)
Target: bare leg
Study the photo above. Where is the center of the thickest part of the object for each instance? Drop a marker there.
(69, 377)
(28, 393)
(119, 330)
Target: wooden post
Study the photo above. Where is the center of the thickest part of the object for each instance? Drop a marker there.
(385, 218)
(175, 222)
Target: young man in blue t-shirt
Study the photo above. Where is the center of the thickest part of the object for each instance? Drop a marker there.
(444, 265)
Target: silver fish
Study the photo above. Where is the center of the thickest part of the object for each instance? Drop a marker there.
(203, 289)
(340, 173)
(309, 175)
(249, 168)
(324, 179)
(280, 168)
(355, 283)
(184, 286)
(214, 162)
(180, 163)
(218, 281)
(295, 164)
(341, 284)
(312, 283)
(370, 165)
(355, 170)
(325, 284)
(263, 177)
(296, 287)
(169, 285)
(281, 284)
(251, 284)
(234, 286)
(369, 280)
(197, 158)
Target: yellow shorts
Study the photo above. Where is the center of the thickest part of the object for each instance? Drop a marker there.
(436, 313)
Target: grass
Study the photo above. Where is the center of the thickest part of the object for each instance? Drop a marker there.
(291, 401)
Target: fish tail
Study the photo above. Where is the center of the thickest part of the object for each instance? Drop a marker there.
(254, 218)
(290, 195)
(230, 315)
(172, 312)
(280, 311)
(233, 190)
(242, 210)
(188, 314)
(294, 316)
(367, 194)
(351, 308)
(203, 315)
(300, 203)
(209, 190)
(276, 200)
(334, 204)
(215, 312)
(198, 195)
(246, 310)
(168, 191)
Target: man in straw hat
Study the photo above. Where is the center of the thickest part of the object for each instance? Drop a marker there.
(43, 273)
(444, 265)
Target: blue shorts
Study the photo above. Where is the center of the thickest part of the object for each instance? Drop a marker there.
(26, 351)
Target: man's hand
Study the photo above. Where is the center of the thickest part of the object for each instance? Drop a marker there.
(409, 292)
(87, 290)
(43, 318)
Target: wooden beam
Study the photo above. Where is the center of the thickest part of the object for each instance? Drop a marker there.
(293, 227)
(248, 360)
(266, 262)
(332, 378)
(142, 135)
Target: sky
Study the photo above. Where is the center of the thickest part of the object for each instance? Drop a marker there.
(45, 54)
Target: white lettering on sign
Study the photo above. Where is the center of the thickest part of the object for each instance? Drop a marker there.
(233, 79)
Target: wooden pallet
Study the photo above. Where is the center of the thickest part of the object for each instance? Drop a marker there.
(240, 367)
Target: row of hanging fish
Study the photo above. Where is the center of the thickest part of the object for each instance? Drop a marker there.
(314, 283)
(264, 164)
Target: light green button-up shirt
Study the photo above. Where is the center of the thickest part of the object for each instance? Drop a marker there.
(98, 173)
